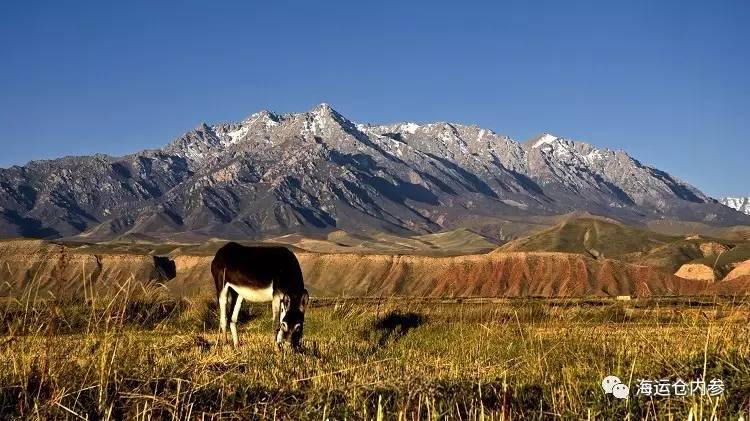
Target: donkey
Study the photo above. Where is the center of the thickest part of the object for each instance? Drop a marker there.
(261, 274)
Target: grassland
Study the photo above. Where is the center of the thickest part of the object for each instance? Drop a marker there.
(144, 355)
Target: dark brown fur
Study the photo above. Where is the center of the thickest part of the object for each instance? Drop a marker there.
(258, 268)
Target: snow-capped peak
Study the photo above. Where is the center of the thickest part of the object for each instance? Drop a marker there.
(322, 109)
(544, 139)
(410, 127)
(265, 117)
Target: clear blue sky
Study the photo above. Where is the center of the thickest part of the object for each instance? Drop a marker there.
(665, 80)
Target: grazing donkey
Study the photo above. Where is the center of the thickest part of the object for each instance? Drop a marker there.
(261, 274)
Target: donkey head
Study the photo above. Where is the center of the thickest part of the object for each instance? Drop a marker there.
(292, 318)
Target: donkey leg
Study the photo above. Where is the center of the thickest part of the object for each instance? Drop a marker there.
(223, 295)
(275, 314)
(233, 322)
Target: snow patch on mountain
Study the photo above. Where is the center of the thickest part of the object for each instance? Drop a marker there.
(545, 139)
(236, 135)
(741, 204)
(410, 128)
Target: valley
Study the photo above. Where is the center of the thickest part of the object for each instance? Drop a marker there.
(577, 257)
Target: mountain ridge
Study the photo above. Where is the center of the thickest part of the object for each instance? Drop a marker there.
(317, 171)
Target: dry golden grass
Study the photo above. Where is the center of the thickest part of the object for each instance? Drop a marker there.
(144, 355)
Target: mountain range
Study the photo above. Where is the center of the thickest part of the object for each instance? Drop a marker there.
(315, 172)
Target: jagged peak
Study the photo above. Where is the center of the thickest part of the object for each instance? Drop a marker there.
(324, 106)
(409, 127)
(468, 133)
(325, 110)
(550, 142)
(323, 114)
(540, 140)
(262, 114)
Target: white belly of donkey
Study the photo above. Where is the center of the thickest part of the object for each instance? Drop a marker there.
(252, 294)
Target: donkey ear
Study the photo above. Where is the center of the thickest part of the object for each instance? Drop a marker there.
(285, 301)
(304, 300)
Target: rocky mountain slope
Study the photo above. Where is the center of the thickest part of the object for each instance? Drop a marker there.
(316, 172)
(741, 204)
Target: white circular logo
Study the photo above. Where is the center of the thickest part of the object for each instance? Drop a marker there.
(620, 391)
(609, 382)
